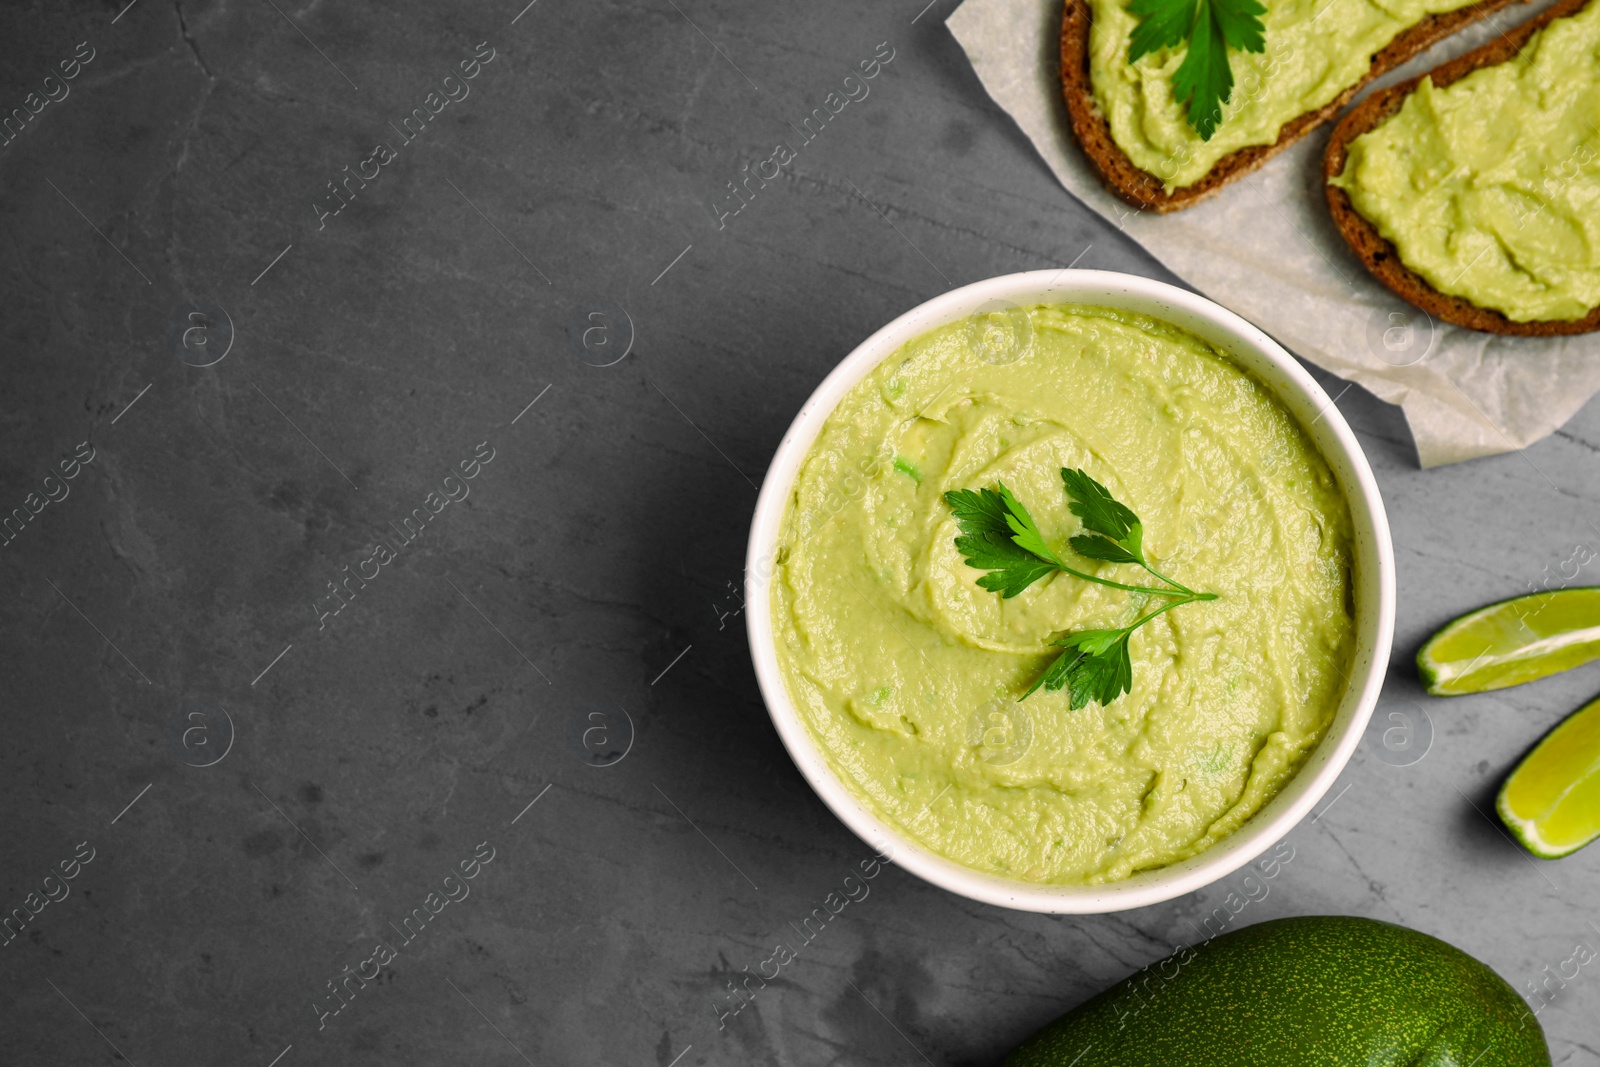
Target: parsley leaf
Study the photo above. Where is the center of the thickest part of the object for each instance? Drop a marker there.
(1204, 80)
(1118, 536)
(1240, 23)
(1101, 549)
(1023, 529)
(1162, 24)
(999, 536)
(994, 525)
(1094, 642)
(1121, 535)
(1099, 510)
(1094, 668)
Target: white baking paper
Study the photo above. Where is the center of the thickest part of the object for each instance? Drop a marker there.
(1266, 247)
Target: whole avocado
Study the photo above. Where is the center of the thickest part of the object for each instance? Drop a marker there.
(1301, 992)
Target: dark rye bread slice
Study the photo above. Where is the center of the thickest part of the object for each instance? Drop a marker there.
(1376, 253)
(1144, 190)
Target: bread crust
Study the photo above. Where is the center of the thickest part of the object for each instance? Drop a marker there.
(1144, 190)
(1376, 253)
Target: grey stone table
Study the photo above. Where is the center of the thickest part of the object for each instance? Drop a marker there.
(280, 274)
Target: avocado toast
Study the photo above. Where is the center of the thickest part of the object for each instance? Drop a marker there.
(1509, 183)
(1180, 153)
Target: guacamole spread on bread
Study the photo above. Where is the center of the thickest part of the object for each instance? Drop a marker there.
(1314, 51)
(907, 673)
(1489, 188)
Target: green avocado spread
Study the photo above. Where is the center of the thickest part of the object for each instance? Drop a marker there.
(1315, 50)
(907, 673)
(1490, 187)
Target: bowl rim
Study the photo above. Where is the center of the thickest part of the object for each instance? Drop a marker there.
(1372, 579)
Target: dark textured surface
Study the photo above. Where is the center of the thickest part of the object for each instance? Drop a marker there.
(591, 568)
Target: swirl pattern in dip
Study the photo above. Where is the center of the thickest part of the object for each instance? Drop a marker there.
(908, 674)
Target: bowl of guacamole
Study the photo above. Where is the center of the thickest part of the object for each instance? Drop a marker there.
(1070, 591)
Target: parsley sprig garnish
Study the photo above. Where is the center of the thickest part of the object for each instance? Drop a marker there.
(1204, 79)
(1000, 537)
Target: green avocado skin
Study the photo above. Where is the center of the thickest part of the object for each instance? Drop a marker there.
(1301, 992)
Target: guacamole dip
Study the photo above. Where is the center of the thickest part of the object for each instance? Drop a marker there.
(1488, 187)
(908, 674)
(1315, 50)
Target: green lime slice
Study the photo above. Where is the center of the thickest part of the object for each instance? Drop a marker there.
(1552, 800)
(1518, 640)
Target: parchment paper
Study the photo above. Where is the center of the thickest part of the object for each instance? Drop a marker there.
(1266, 248)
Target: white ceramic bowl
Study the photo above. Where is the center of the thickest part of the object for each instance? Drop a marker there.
(1373, 579)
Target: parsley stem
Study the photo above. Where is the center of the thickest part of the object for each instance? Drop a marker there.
(1169, 581)
(1153, 614)
(1150, 589)
(1190, 599)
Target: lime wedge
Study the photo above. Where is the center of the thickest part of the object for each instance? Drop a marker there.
(1552, 800)
(1518, 640)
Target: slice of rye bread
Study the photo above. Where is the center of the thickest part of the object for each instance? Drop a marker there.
(1376, 253)
(1145, 190)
